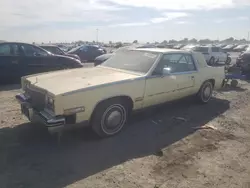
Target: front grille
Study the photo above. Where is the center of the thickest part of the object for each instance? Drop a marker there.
(37, 98)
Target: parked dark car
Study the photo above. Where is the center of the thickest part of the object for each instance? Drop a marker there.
(57, 51)
(20, 59)
(243, 62)
(87, 53)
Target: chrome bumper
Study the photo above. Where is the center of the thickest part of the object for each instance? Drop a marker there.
(53, 123)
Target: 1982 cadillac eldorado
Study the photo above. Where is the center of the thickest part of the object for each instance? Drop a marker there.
(103, 97)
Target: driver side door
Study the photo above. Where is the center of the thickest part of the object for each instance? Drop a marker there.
(160, 88)
(179, 83)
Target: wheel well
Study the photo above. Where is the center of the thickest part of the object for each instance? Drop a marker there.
(212, 81)
(125, 99)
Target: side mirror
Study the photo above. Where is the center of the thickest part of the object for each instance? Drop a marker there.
(166, 71)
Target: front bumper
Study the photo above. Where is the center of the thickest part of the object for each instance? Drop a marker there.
(53, 123)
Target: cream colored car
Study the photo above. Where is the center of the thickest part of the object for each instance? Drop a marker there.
(103, 97)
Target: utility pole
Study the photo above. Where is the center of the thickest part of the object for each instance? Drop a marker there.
(97, 33)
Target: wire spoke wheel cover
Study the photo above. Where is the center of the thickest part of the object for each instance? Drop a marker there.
(207, 91)
(113, 119)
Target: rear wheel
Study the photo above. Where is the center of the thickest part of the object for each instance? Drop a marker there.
(212, 61)
(228, 61)
(110, 117)
(206, 92)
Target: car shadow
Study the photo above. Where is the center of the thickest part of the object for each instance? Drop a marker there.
(30, 157)
(9, 87)
(228, 88)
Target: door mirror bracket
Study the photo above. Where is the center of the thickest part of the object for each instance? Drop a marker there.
(166, 71)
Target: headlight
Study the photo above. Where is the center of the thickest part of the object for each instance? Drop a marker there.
(50, 103)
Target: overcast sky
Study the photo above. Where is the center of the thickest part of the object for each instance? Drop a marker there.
(122, 20)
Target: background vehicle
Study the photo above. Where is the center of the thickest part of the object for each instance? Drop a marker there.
(100, 59)
(229, 48)
(57, 51)
(130, 80)
(19, 59)
(87, 52)
(240, 48)
(188, 47)
(243, 62)
(179, 46)
(212, 54)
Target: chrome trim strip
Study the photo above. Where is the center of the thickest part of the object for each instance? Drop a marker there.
(139, 99)
(161, 93)
(172, 74)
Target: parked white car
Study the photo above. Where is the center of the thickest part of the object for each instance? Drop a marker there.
(103, 97)
(212, 54)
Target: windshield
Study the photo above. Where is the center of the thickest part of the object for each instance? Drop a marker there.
(52, 49)
(74, 49)
(136, 61)
(201, 49)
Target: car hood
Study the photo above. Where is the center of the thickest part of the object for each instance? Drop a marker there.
(72, 55)
(104, 57)
(64, 56)
(60, 82)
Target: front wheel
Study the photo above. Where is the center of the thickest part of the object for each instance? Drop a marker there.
(205, 93)
(110, 117)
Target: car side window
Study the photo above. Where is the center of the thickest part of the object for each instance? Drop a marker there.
(84, 48)
(29, 50)
(176, 62)
(9, 50)
(215, 49)
(57, 51)
(5, 50)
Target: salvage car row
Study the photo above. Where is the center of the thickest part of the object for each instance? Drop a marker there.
(20, 59)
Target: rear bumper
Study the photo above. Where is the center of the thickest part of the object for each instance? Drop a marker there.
(53, 123)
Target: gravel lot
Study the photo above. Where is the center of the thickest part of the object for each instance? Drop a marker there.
(209, 146)
(155, 150)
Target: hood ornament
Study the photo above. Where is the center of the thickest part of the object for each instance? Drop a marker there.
(36, 81)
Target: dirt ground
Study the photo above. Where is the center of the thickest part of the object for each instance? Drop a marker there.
(156, 150)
